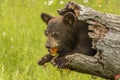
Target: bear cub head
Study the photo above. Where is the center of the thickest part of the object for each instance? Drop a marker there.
(60, 32)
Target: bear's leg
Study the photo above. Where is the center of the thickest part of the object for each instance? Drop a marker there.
(45, 59)
(59, 62)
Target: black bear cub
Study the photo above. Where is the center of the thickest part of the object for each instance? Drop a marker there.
(68, 35)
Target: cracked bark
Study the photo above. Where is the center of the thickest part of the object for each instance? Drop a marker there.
(106, 40)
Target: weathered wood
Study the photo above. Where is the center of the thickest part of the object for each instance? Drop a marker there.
(106, 40)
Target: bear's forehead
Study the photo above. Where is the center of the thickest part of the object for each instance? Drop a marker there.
(57, 24)
(56, 20)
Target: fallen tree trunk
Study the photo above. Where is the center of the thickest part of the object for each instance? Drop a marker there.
(105, 33)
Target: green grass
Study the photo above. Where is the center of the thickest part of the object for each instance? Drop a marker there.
(22, 38)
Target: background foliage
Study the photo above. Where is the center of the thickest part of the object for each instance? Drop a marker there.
(22, 38)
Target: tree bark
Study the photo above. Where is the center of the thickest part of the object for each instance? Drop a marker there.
(105, 33)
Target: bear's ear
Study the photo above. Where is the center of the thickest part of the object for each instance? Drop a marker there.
(46, 17)
(69, 18)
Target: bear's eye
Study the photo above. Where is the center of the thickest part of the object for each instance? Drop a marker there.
(54, 34)
(46, 33)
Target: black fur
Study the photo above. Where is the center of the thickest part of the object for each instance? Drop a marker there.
(69, 35)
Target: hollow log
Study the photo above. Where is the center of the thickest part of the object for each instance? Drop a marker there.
(105, 33)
